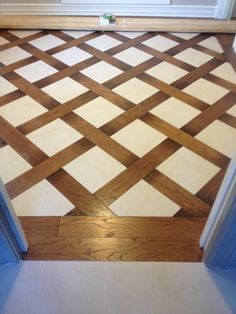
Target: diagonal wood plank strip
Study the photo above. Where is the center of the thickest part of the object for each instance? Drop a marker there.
(191, 204)
(186, 140)
(46, 168)
(24, 147)
(78, 195)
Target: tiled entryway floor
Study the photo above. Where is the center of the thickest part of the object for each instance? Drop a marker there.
(105, 123)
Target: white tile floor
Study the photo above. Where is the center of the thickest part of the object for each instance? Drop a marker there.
(193, 57)
(101, 72)
(114, 288)
(160, 43)
(139, 137)
(36, 71)
(41, 200)
(85, 169)
(56, 141)
(135, 90)
(144, 200)
(70, 88)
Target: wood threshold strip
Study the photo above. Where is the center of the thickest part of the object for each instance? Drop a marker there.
(123, 23)
(114, 238)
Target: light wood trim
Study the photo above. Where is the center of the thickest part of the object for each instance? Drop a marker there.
(123, 23)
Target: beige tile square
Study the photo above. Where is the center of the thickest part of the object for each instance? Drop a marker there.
(166, 72)
(11, 164)
(226, 72)
(193, 57)
(160, 43)
(64, 89)
(133, 56)
(41, 200)
(101, 72)
(138, 137)
(98, 111)
(46, 42)
(135, 90)
(94, 169)
(14, 54)
(188, 169)
(77, 34)
(212, 43)
(175, 112)
(54, 137)
(36, 71)
(131, 35)
(23, 33)
(3, 41)
(220, 136)
(206, 91)
(21, 110)
(6, 87)
(185, 35)
(232, 111)
(72, 56)
(103, 42)
(144, 200)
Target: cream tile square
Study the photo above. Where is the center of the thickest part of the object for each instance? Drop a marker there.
(220, 136)
(24, 33)
(185, 35)
(166, 72)
(212, 43)
(64, 90)
(46, 42)
(72, 56)
(226, 72)
(94, 169)
(35, 71)
(135, 90)
(54, 137)
(232, 111)
(14, 54)
(175, 112)
(160, 43)
(139, 137)
(103, 42)
(133, 56)
(12, 164)
(193, 57)
(41, 200)
(3, 41)
(6, 87)
(206, 91)
(188, 169)
(98, 111)
(21, 110)
(144, 200)
(77, 34)
(131, 35)
(101, 72)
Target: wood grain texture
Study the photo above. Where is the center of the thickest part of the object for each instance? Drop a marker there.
(122, 23)
(114, 239)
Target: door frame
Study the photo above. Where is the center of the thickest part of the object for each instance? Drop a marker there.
(13, 243)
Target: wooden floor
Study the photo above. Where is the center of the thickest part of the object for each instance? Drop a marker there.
(95, 126)
(114, 239)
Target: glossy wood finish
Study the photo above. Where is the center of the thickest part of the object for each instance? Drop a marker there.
(113, 239)
(122, 23)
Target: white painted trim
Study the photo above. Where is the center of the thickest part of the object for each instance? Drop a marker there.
(198, 11)
(224, 9)
(135, 2)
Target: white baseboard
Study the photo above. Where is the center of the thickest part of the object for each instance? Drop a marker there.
(198, 11)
